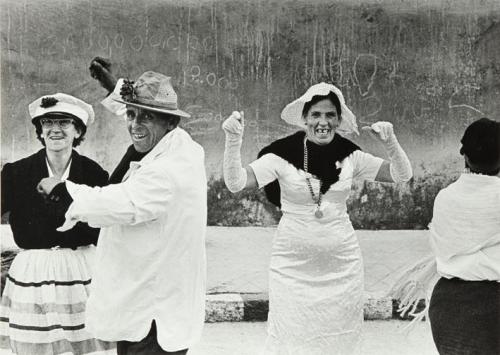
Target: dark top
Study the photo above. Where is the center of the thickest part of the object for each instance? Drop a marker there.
(33, 218)
(321, 160)
(130, 155)
(61, 199)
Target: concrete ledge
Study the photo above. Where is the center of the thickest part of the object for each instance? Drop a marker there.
(224, 308)
(256, 307)
(234, 307)
(377, 307)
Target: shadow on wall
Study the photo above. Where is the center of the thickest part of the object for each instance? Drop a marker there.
(370, 206)
(430, 66)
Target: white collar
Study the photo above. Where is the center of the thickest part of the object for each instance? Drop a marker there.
(64, 176)
(163, 145)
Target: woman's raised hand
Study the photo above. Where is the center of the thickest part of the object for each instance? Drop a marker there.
(235, 176)
(381, 130)
(234, 124)
(400, 166)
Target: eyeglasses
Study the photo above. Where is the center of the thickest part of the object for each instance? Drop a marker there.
(141, 116)
(63, 123)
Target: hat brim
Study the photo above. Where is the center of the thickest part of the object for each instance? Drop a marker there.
(292, 113)
(156, 108)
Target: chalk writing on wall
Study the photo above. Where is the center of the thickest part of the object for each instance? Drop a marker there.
(427, 70)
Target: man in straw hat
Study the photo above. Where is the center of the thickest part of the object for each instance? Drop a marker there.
(148, 293)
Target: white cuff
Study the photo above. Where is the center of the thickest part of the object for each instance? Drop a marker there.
(235, 176)
(400, 167)
(109, 102)
(70, 220)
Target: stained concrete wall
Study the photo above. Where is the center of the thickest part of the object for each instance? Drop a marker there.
(430, 67)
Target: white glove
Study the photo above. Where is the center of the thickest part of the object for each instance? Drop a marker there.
(400, 168)
(234, 125)
(382, 131)
(235, 176)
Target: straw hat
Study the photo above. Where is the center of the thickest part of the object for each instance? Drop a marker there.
(153, 91)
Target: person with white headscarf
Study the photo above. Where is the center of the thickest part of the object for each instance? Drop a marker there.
(460, 279)
(464, 310)
(316, 269)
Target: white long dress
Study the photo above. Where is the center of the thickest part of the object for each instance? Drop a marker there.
(316, 270)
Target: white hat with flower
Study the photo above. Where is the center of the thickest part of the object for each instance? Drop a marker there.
(61, 104)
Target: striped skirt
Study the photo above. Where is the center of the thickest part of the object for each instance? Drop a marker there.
(43, 304)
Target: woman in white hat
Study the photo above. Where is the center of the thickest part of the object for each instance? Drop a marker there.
(316, 270)
(46, 289)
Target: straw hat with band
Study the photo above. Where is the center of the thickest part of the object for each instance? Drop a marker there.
(153, 91)
(292, 113)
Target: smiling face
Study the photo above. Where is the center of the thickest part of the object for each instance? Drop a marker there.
(58, 133)
(145, 128)
(321, 122)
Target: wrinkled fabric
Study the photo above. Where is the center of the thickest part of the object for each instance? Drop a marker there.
(323, 159)
(316, 269)
(465, 228)
(464, 238)
(43, 304)
(150, 260)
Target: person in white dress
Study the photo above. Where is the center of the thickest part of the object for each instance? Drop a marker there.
(316, 269)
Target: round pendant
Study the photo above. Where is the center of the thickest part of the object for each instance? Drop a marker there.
(318, 214)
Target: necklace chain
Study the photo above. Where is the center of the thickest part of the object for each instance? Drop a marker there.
(317, 200)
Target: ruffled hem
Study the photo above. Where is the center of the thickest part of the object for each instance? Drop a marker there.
(42, 310)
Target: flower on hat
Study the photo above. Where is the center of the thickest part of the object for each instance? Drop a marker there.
(48, 102)
(127, 91)
(152, 91)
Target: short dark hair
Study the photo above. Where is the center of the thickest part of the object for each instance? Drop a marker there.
(481, 146)
(317, 98)
(79, 126)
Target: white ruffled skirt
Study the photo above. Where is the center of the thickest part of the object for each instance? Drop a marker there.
(42, 310)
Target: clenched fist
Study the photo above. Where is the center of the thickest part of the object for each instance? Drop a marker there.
(234, 124)
(46, 185)
(100, 69)
(382, 131)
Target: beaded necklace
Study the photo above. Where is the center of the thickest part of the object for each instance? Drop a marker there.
(318, 213)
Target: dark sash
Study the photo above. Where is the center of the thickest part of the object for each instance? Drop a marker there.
(321, 159)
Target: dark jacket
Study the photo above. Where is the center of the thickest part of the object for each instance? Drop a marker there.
(32, 219)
